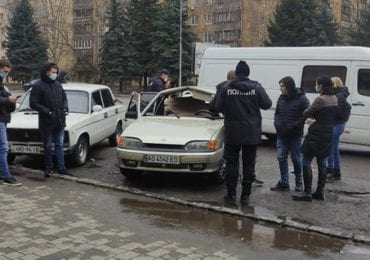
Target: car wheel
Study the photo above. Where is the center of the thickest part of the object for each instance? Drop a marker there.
(11, 158)
(81, 152)
(117, 133)
(219, 176)
(130, 174)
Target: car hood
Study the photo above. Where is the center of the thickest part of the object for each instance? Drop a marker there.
(172, 130)
(29, 120)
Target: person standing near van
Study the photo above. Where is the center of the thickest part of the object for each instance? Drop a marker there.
(344, 111)
(289, 124)
(229, 77)
(318, 140)
(240, 102)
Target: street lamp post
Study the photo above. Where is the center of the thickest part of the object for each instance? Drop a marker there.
(180, 46)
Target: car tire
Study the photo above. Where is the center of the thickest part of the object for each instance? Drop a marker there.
(11, 158)
(219, 176)
(81, 151)
(117, 133)
(130, 174)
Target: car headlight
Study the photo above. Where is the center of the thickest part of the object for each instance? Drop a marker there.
(201, 146)
(129, 143)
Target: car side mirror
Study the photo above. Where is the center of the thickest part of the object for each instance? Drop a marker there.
(97, 108)
(131, 114)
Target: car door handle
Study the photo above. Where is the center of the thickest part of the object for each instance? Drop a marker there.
(105, 114)
(358, 104)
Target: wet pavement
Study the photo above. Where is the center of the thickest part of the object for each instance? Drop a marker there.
(56, 219)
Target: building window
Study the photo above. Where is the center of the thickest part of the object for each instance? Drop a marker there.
(209, 19)
(83, 44)
(194, 20)
(207, 37)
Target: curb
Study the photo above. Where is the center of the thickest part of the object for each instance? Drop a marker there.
(219, 209)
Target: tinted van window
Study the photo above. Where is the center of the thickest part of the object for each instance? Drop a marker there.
(364, 82)
(311, 73)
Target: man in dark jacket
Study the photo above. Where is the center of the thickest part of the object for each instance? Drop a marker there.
(289, 124)
(49, 99)
(7, 105)
(158, 83)
(240, 102)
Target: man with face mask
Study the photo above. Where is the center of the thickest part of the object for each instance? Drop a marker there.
(7, 105)
(49, 99)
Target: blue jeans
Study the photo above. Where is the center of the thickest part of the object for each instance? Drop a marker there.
(284, 145)
(4, 147)
(57, 137)
(334, 156)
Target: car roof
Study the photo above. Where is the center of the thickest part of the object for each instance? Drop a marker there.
(83, 86)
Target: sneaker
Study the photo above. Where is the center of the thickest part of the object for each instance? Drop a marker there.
(298, 187)
(302, 196)
(318, 196)
(333, 177)
(280, 187)
(257, 181)
(12, 182)
(47, 174)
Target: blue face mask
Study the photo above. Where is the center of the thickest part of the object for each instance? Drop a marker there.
(53, 76)
(3, 75)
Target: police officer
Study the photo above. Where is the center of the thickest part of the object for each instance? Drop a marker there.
(240, 102)
(158, 83)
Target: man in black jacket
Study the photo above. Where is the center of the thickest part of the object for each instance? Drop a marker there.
(240, 102)
(158, 83)
(289, 125)
(7, 105)
(49, 99)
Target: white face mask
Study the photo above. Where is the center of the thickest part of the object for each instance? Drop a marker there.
(53, 76)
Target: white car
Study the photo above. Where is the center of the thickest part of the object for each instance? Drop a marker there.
(172, 132)
(94, 115)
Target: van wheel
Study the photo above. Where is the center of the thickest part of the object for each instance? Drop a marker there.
(219, 176)
(117, 133)
(81, 152)
(271, 137)
(11, 158)
(130, 174)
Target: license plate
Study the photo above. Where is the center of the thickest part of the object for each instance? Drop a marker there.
(25, 149)
(167, 159)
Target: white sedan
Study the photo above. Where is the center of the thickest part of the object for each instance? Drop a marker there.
(172, 132)
(94, 115)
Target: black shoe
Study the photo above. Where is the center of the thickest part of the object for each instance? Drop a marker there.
(65, 173)
(318, 196)
(302, 196)
(244, 199)
(333, 177)
(47, 174)
(12, 182)
(230, 200)
(280, 187)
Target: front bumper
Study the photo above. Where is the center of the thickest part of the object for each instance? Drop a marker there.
(189, 162)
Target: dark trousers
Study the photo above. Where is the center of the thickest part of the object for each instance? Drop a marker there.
(232, 165)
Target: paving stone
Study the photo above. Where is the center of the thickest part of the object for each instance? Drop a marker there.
(158, 252)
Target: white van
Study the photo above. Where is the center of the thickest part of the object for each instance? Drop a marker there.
(268, 65)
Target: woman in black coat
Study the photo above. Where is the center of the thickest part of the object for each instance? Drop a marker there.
(318, 141)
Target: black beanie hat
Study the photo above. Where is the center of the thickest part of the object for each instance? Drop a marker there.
(242, 69)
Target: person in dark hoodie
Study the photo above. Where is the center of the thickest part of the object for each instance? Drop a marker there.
(240, 102)
(289, 124)
(49, 99)
(158, 83)
(7, 105)
(344, 111)
(318, 141)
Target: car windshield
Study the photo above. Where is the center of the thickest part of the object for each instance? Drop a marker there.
(189, 103)
(78, 102)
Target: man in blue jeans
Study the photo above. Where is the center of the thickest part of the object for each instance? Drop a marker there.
(7, 105)
(49, 99)
(289, 124)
